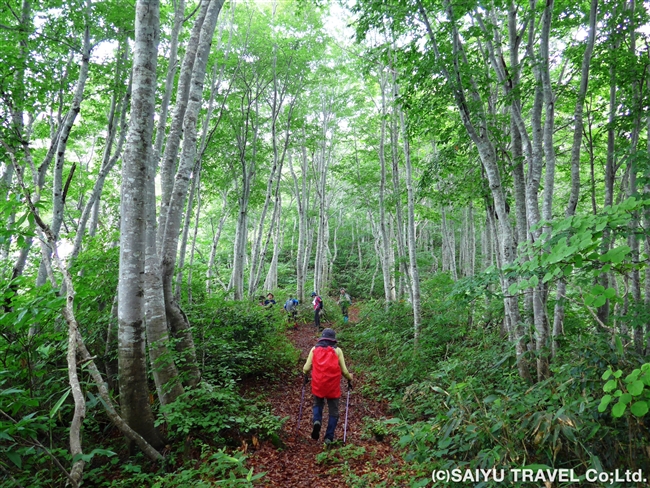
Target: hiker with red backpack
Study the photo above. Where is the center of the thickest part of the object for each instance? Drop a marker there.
(327, 364)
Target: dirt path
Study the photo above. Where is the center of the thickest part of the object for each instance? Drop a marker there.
(296, 465)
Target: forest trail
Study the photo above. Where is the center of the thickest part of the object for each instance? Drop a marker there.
(296, 464)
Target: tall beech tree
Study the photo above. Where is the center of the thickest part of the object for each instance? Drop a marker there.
(134, 395)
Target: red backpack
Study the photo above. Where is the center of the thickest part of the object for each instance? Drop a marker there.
(326, 373)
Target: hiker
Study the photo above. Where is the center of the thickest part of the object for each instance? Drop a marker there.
(291, 308)
(344, 302)
(270, 301)
(318, 308)
(326, 362)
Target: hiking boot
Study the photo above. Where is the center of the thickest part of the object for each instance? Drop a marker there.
(315, 432)
(328, 442)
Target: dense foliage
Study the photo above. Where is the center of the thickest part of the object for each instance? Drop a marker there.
(237, 342)
(461, 403)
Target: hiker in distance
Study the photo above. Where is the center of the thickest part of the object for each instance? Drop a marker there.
(327, 363)
(318, 308)
(291, 307)
(344, 302)
(270, 300)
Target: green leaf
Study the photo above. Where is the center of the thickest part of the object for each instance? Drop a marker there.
(597, 289)
(619, 348)
(599, 301)
(609, 386)
(607, 373)
(4, 435)
(58, 404)
(10, 391)
(604, 402)
(639, 408)
(609, 293)
(619, 409)
(547, 277)
(626, 398)
(512, 289)
(15, 458)
(490, 398)
(618, 373)
(636, 388)
(533, 281)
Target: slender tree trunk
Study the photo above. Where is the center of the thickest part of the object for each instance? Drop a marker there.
(172, 146)
(411, 235)
(386, 252)
(164, 371)
(134, 392)
(558, 317)
(271, 281)
(189, 211)
(448, 246)
(215, 242)
(193, 247)
(301, 190)
(58, 197)
(634, 275)
(476, 126)
(610, 175)
(176, 319)
(179, 14)
(397, 191)
(92, 205)
(322, 161)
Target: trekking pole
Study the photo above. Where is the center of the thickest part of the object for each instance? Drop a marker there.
(347, 403)
(302, 399)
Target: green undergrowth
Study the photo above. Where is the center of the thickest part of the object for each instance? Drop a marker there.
(458, 401)
(204, 429)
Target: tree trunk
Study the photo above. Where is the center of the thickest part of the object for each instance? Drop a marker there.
(92, 205)
(397, 191)
(193, 247)
(322, 161)
(301, 191)
(176, 319)
(164, 371)
(215, 242)
(179, 14)
(134, 392)
(386, 268)
(558, 316)
(610, 175)
(63, 135)
(189, 211)
(169, 159)
(271, 281)
(476, 125)
(411, 236)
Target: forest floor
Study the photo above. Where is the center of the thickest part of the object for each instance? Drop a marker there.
(304, 462)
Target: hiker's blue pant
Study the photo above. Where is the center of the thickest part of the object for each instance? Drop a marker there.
(333, 412)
